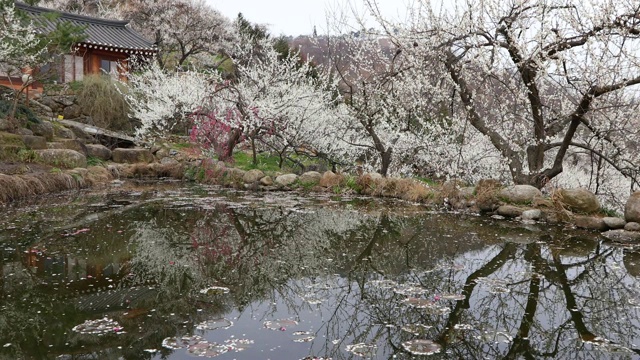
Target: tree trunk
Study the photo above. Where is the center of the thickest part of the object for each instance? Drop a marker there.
(234, 139)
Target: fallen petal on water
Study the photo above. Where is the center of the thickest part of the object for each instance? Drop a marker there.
(463, 327)
(175, 343)
(215, 324)
(382, 284)
(495, 337)
(206, 349)
(362, 349)
(421, 347)
(239, 344)
(456, 297)
(419, 303)
(416, 329)
(409, 289)
(98, 327)
(215, 290)
(279, 324)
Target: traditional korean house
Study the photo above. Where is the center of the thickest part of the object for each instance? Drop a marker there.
(107, 48)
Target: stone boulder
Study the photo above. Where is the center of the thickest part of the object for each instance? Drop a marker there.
(614, 222)
(590, 222)
(72, 111)
(374, 176)
(509, 211)
(5, 125)
(632, 208)
(233, 177)
(55, 145)
(579, 200)
(98, 151)
(35, 142)
(62, 132)
(632, 226)
(43, 128)
(286, 179)
(169, 161)
(623, 236)
(330, 179)
(310, 177)
(252, 176)
(131, 156)
(531, 214)
(65, 158)
(23, 131)
(519, 194)
(266, 181)
(74, 144)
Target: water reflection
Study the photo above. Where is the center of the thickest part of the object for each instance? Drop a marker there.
(187, 272)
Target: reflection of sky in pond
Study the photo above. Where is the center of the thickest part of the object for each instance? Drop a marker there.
(279, 276)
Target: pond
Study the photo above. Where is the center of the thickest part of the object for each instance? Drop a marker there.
(178, 272)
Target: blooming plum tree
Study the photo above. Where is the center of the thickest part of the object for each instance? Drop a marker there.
(163, 101)
(538, 80)
(273, 103)
(389, 112)
(186, 31)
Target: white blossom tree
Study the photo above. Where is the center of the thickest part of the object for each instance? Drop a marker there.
(539, 80)
(163, 101)
(20, 48)
(186, 31)
(391, 109)
(273, 102)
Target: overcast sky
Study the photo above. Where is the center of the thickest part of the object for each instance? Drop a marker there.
(295, 17)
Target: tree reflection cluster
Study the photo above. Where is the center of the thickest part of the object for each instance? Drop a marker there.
(394, 281)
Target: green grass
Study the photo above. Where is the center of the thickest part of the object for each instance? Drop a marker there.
(610, 212)
(427, 181)
(94, 161)
(266, 162)
(28, 156)
(181, 146)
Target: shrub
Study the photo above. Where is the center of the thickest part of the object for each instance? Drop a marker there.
(101, 98)
(23, 114)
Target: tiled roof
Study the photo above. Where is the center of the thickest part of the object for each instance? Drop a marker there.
(114, 35)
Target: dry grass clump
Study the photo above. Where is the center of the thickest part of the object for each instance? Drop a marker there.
(34, 184)
(556, 211)
(104, 103)
(415, 191)
(448, 192)
(97, 175)
(387, 187)
(136, 170)
(487, 193)
(175, 170)
(16, 187)
(368, 183)
(78, 176)
(13, 188)
(114, 171)
(152, 170)
(330, 180)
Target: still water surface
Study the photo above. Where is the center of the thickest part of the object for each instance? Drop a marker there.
(184, 272)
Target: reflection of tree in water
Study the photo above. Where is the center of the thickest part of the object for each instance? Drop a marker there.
(524, 295)
(522, 298)
(548, 306)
